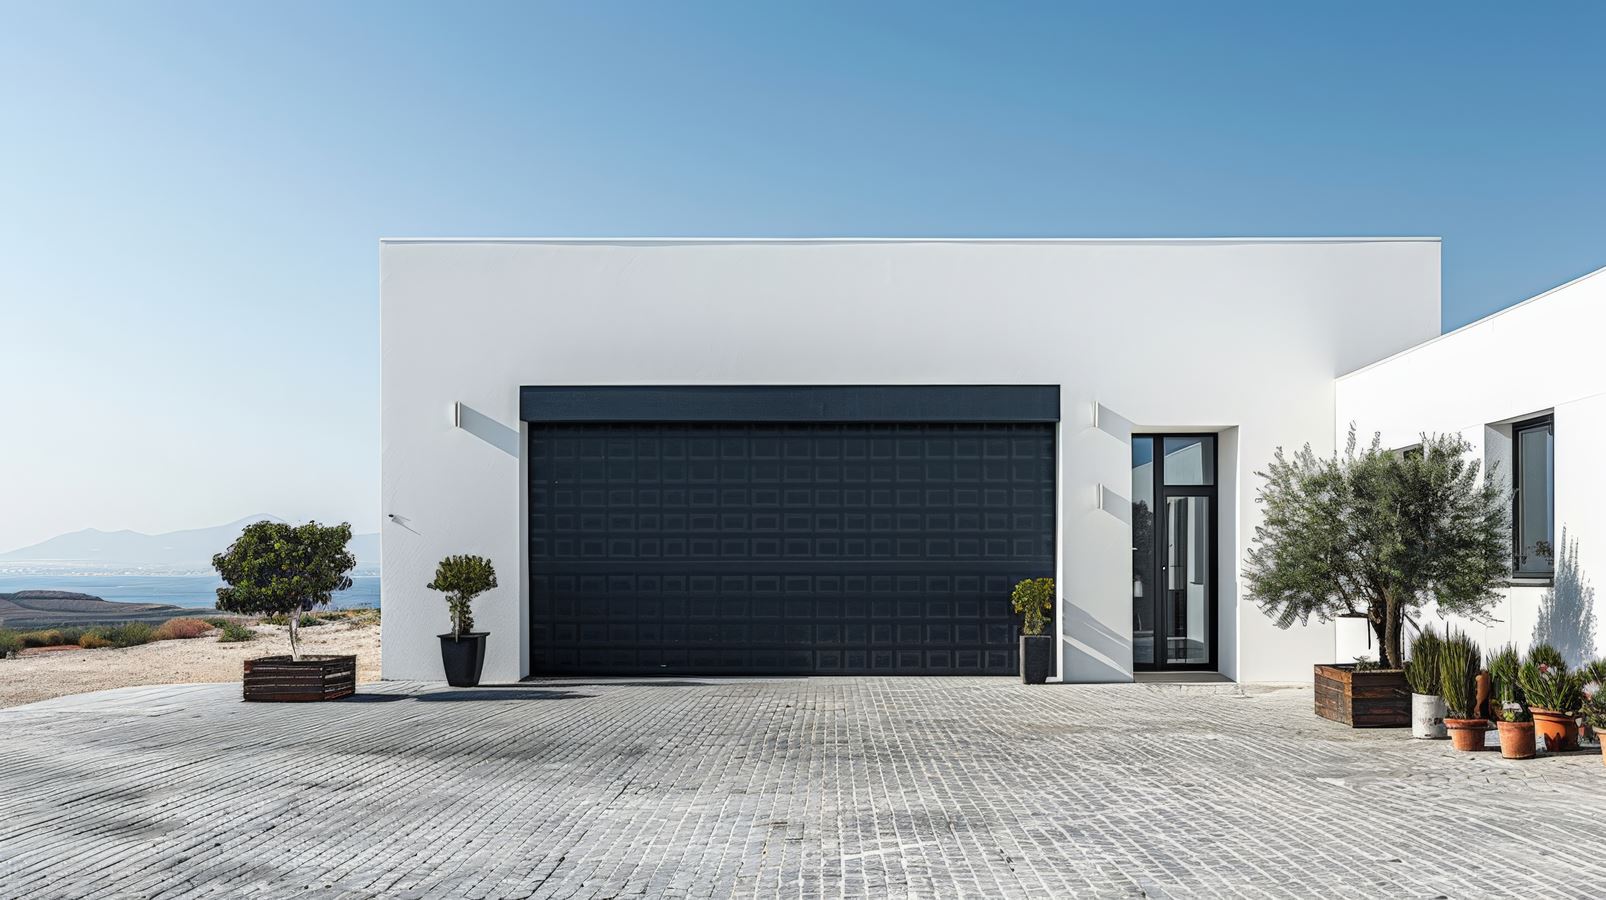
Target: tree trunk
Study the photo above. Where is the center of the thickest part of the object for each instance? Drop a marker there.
(1378, 621)
(1393, 658)
(295, 622)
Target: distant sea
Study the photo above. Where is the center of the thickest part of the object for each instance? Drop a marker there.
(179, 590)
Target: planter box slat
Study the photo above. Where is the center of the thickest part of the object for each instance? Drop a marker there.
(278, 679)
(1372, 699)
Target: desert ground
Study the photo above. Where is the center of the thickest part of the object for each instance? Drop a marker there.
(43, 674)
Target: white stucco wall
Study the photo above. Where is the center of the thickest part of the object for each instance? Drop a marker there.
(1538, 357)
(1242, 337)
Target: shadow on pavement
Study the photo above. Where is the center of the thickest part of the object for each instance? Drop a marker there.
(495, 693)
(653, 683)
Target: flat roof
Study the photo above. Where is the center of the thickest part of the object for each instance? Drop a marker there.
(909, 240)
(1475, 322)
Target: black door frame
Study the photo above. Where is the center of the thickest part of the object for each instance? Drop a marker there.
(1161, 493)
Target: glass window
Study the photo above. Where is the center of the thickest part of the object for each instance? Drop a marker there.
(1190, 459)
(1143, 550)
(1534, 500)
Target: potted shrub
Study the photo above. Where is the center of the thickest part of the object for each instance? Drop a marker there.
(1516, 726)
(1422, 673)
(1554, 697)
(461, 579)
(1033, 598)
(1595, 715)
(1458, 675)
(275, 568)
(1594, 677)
(1373, 533)
(1511, 710)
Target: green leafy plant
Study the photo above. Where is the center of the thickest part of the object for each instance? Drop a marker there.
(1458, 673)
(1594, 711)
(128, 634)
(1504, 665)
(217, 621)
(10, 642)
(1594, 673)
(1033, 598)
(1367, 664)
(461, 579)
(275, 567)
(1371, 532)
(1551, 687)
(1422, 668)
(1546, 654)
(233, 632)
(1515, 712)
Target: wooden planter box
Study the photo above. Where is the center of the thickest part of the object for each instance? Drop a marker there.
(1374, 699)
(279, 679)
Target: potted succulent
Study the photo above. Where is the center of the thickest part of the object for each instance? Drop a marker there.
(1595, 715)
(461, 579)
(1554, 697)
(1511, 712)
(1594, 678)
(1033, 598)
(1458, 674)
(275, 568)
(1422, 673)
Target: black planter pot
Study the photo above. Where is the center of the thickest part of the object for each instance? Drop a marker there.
(463, 659)
(1036, 657)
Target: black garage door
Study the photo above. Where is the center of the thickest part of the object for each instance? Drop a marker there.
(784, 548)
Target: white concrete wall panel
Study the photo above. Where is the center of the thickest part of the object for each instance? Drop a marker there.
(1245, 336)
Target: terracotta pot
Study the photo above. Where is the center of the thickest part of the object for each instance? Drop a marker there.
(1467, 734)
(1559, 730)
(1516, 740)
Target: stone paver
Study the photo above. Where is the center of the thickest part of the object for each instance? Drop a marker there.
(823, 787)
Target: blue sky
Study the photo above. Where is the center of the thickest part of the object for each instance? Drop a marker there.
(191, 194)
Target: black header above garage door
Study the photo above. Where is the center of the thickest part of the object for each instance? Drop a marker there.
(893, 404)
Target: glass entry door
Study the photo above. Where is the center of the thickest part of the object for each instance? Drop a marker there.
(1174, 551)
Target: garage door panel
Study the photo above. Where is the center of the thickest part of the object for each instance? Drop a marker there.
(770, 548)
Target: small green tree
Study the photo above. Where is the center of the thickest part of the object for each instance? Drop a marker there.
(1376, 533)
(275, 568)
(1034, 600)
(461, 579)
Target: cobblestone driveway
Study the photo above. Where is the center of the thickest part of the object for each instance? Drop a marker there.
(773, 788)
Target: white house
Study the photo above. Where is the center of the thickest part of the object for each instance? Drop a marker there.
(1526, 387)
(836, 456)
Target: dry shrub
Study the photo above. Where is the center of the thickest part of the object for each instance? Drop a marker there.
(182, 629)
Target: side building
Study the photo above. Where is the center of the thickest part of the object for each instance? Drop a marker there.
(1526, 387)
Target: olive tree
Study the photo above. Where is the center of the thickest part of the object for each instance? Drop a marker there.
(1378, 533)
(275, 568)
(461, 579)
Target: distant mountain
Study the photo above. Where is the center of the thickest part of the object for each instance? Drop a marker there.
(191, 549)
(52, 609)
